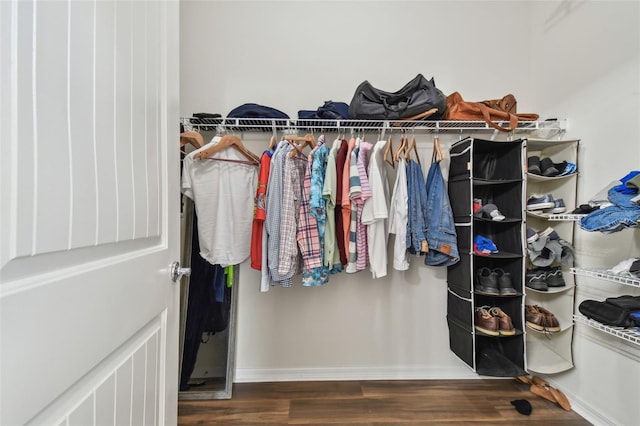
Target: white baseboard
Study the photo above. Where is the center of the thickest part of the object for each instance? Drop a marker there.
(248, 375)
(584, 409)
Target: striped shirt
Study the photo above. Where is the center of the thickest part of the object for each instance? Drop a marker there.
(362, 246)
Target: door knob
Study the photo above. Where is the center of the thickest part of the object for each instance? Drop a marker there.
(177, 272)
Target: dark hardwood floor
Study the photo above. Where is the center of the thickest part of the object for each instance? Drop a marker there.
(378, 403)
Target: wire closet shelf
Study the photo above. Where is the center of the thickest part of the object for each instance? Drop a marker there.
(426, 126)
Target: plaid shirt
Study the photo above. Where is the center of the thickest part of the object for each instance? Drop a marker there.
(294, 170)
(307, 236)
(274, 203)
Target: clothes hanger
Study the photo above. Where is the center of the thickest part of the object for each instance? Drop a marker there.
(225, 142)
(437, 155)
(272, 142)
(192, 138)
(412, 147)
(401, 148)
(307, 140)
(388, 149)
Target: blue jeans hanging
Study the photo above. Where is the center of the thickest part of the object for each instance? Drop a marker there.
(441, 231)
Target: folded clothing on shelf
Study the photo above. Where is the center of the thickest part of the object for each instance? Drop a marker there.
(627, 267)
(483, 245)
(251, 110)
(487, 211)
(329, 111)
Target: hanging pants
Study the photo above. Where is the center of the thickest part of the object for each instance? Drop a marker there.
(206, 293)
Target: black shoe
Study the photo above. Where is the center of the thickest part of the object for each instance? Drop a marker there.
(536, 280)
(533, 165)
(548, 167)
(554, 278)
(505, 285)
(487, 282)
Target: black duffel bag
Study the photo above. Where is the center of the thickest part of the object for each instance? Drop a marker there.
(418, 99)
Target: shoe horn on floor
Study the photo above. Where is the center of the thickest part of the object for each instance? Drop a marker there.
(542, 388)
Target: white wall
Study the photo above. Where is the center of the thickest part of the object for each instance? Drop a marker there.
(586, 64)
(574, 59)
(295, 55)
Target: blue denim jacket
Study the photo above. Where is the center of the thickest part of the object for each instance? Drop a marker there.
(623, 214)
(441, 231)
(417, 209)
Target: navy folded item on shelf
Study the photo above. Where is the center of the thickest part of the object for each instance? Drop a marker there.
(206, 115)
(251, 110)
(333, 110)
(329, 111)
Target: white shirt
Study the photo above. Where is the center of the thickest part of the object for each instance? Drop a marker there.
(376, 211)
(223, 194)
(399, 216)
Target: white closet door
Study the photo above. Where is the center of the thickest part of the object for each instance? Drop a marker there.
(89, 212)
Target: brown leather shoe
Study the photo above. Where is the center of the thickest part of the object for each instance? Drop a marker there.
(541, 319)
(552, 324)
(534, 318)
(486, 323)
(505, 326)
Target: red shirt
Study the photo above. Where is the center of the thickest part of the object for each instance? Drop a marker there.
(259, 212)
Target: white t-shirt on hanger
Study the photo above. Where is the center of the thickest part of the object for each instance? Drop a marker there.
(223, 193)
(399, 217)
(376, 211)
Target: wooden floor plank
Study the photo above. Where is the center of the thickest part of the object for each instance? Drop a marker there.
(376, 403)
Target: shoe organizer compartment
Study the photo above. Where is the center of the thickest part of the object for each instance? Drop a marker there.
(458, 277)
(497, 160)
(510, 306)
(459, 308)
(460, 198)
(460, 341)
(559, 304)
(507, 237)
(556, 150)
(460, 157)
(506, 196)
(508, 265)
(550, 353)
(464, 239)
(500, 357)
